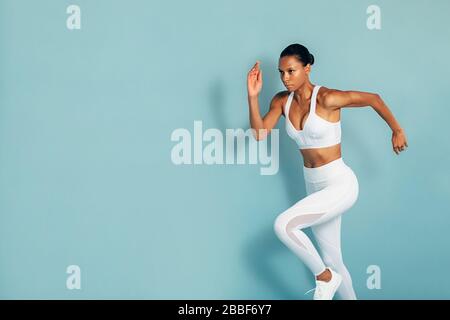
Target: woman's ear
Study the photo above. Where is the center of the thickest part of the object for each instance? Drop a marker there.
(308, 69)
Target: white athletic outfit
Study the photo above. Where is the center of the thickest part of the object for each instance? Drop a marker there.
(331, 190)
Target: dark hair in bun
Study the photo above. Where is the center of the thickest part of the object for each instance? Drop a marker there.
(300, 52)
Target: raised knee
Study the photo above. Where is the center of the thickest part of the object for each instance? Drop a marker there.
(279, 226)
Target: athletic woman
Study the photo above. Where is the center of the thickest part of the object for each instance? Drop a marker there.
(312, 113)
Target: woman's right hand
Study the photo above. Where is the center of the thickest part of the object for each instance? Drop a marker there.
(254, 80)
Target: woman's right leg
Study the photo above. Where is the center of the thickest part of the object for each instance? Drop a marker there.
(328, 236)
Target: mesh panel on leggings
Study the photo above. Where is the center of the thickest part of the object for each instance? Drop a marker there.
(300, 222)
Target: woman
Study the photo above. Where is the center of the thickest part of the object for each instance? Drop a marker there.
(312, 116)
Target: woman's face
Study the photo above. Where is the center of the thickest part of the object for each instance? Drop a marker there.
(292, 73)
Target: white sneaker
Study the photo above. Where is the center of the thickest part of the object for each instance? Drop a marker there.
(326, 290)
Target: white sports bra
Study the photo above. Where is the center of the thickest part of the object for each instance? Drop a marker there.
(317, 132)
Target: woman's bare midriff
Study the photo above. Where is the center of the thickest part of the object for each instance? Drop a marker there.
(313, 158)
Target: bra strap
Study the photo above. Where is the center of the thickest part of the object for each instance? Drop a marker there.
(314, 98)
(287, 106)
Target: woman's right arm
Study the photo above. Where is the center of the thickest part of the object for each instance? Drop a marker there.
(268, 122)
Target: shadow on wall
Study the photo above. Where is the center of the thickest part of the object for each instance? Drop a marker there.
(261, 250)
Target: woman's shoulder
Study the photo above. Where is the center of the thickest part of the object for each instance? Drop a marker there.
(328, 97)
(281, 94)
(279, 99)
(325, 93)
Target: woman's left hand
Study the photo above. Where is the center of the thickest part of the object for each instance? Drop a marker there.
(399, 142)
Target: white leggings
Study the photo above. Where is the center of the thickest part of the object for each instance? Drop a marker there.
(331, 190)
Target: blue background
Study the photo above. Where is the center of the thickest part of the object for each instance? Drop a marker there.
(86, 176)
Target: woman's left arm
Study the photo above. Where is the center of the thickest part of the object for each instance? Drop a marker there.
(336, 99)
